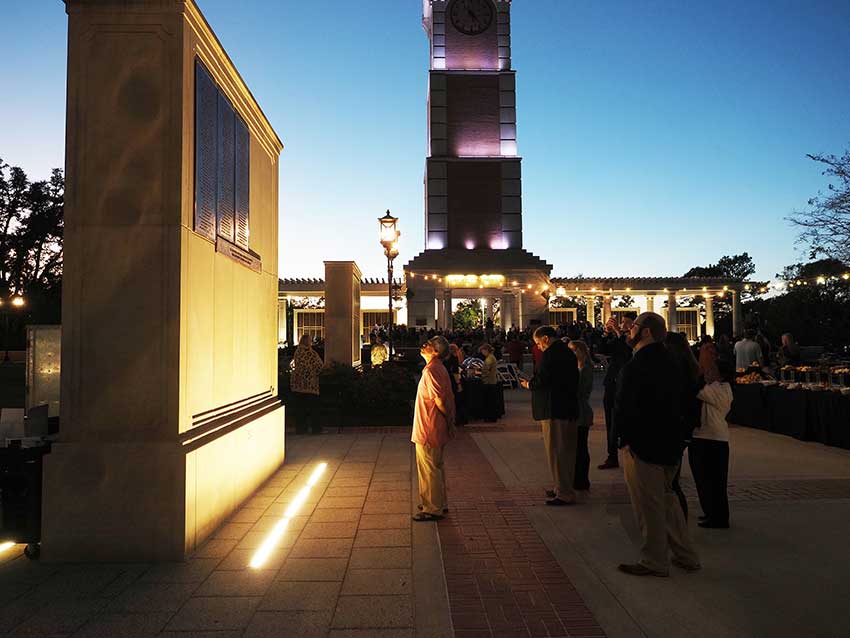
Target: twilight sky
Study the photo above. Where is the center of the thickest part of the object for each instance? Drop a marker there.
(655, 136)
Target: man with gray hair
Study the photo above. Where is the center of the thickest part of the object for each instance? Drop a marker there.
(554, 403)
(651, 440)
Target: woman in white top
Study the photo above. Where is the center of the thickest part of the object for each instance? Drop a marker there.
(708, 452)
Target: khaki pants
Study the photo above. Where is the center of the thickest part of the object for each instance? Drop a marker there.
(560, 438)
(432, 479)
(658, 512)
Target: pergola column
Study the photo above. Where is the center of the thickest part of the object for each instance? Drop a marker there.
(709, 315)
(520, 298)
(506, 310)
(447, 310)
(650, 302)
(488, 307)
(737, 319)
(606, 309)
(591, 310)
(672, 325)
(441, 311)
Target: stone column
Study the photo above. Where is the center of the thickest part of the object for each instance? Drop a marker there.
(650, 302)
(590, 303)
(507, 309)
(709, 315)
(441, 309)
(447, 301)
(520, 303)
(671, 312)
(342, 312)
(170, 417)
(488, 308)
(737, 319)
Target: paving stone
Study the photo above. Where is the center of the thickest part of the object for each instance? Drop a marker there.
(322, 548)
(370, 557)
(377, 582)
(215, 548)
(58, 618)
(338, 529)
(383, 538)
(349, 502)
(266, 523)
(152, 597)
(363, 612)
(249, 582)
(124, 625)
(205, 614)
(313, 569)
(232, 531)
(390, 495)
(192, 571)
(387, 507)
(253, 540)
(350, 481)
(283, 624)
(335, 514)
(247, 515)
(236, 633)
(240, 559)
(346, 491)
(385, 521)
(400, 477)
(287, 595)
(371, 633)
(387, 486)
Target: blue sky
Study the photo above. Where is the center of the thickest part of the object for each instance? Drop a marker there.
(655, 136)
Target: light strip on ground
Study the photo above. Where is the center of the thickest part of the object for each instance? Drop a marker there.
(271, 541)
(6, 545)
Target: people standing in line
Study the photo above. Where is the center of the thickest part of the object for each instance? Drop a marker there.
(614, 346)
(747, 351)
(433, 424)
(304, 383)
(708, 452)
(725, 351)
(554, 404)
(585, 413)
(379, 353)
(649, 426)
(490, 381)
(688, 367)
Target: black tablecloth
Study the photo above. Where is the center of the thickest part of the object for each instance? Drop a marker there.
(822, 416)
(477, 397)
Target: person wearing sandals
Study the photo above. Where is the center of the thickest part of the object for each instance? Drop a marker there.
(433, 424)
(585, 413)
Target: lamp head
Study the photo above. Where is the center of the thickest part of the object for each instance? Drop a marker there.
(389, 233)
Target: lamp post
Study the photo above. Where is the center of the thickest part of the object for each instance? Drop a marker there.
(389, 240)
(15, 301)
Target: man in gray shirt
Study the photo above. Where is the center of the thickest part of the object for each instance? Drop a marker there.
(747, 350)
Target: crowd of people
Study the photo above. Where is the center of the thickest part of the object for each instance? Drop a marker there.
(661, 396)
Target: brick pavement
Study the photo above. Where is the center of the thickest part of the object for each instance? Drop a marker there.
(502, 580)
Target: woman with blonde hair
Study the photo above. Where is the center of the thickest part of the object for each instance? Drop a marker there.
(304, 383)
(585, 418)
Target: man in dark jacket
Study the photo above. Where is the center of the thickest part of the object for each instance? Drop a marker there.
(648, 420)
(613, 346)
(554, 403)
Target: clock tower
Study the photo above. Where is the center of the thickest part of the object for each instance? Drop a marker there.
(473, 192)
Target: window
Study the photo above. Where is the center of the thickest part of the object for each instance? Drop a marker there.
(309, 321)
(562, 316)
(222, 164)
(370, 318)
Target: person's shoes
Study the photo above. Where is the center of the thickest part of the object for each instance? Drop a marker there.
(640, 570)
(688, 567)
(610, 464)
(707, 524)
(445, 509)
(550, 494)
(423, 517)
(557, 502)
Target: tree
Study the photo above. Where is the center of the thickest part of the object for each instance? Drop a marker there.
(468, 315)
(736, 267)
(825, 226)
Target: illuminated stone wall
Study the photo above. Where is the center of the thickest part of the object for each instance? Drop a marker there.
(169, 417)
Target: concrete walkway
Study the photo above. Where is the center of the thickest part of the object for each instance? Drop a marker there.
(350, 563)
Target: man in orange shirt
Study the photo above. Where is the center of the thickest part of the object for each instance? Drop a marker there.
(433, 422)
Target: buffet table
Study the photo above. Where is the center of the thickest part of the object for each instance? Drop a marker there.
(805, 414)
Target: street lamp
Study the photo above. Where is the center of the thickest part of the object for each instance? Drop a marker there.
(389, 240)
(16, 302)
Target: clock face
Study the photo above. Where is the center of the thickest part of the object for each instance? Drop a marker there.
(471, 16)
